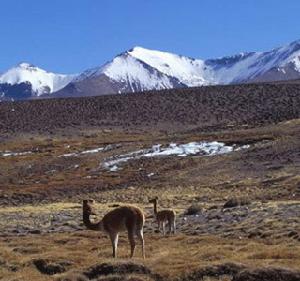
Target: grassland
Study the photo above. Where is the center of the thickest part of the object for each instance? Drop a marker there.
(41, 228)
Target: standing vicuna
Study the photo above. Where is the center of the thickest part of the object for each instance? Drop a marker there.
(123, 218)
(164, 216)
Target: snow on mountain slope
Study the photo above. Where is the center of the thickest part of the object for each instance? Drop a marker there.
(131, 74)
(191, 72)
(293, 55)
(242, 67)
(42, 82)
(142, 69)
(251, 65)
(136, 74)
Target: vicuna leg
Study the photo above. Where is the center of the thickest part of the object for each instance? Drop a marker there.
(140, 235)
(114, 237)
(132, 242)
(170, 226)
(174, 226)
(158, 224)
(164, 228)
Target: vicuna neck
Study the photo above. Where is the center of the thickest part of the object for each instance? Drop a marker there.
(155, 207)
(89, 224)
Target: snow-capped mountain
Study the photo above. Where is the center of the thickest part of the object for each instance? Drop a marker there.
(26, 80)
(135, 73)
(141, 69)
(282, 63)
(136, 70)
(125, 73)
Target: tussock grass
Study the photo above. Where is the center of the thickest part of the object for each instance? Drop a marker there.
(169, 256)
(41, 187)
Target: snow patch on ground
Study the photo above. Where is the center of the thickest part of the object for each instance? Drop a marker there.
(180, 150)
(192, 148)
(90, 151)
(10, 153)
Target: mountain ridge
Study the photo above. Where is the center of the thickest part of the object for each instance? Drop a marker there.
(281, 63)
(139, 69)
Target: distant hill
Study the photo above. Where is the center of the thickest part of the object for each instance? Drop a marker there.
(204, 108)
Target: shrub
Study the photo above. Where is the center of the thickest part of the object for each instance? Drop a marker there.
(193, 210)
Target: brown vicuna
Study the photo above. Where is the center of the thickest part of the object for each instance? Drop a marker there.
(123, 218)
(164, 216)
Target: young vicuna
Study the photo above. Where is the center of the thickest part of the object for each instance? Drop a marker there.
(164, 216)
(123, 218)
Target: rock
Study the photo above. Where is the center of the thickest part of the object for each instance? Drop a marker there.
(193, 210)
(254, 234)
(292, 233)
(213, 271)
(35, 231)
(235, 202)
(213, 207)
(242, 273)
(104, 269)
(50, 268)
(267, 274)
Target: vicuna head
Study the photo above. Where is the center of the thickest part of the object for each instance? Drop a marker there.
(88, 207)
(154, 200)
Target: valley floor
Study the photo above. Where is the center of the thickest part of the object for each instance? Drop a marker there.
(238, 213)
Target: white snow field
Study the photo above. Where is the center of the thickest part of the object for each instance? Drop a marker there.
(173, 149)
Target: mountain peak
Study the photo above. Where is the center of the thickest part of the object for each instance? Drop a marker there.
(41, 81)
(141, 49)
(133, 50)
(26, 65)
(136, 48)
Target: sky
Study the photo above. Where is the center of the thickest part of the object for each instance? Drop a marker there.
(69, 36)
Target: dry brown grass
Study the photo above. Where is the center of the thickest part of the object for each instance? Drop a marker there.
(45, 176)
(267, 174)
(170, 257)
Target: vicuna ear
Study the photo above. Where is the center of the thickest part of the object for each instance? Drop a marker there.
(88, 201)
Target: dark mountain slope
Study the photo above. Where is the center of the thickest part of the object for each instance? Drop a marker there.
(204, 108)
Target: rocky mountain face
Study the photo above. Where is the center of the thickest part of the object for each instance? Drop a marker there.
(141, 69)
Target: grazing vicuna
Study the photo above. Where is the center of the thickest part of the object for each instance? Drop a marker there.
(123, 218)
(164, 216)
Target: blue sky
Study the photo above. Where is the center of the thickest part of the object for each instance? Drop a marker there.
(72, 35)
